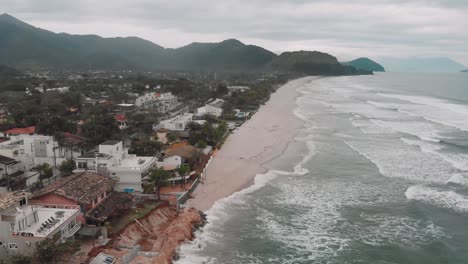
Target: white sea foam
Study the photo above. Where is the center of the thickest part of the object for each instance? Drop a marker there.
(458, 160)
(447, 199)
(368, 127)
(394, 158)
(459, 179)
(219, 213)
(424, 130)
(433, 109)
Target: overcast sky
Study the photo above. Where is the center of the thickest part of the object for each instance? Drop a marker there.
(344, 28)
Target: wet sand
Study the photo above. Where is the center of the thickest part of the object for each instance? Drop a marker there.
(259, 140)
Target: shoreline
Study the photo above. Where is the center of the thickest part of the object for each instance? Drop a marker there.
(248, 151)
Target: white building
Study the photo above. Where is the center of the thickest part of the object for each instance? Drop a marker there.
(163, 102)
(237, 88)
(33, 150)
(214, 108)
(113, 160)
(177, 123)
(23, 225)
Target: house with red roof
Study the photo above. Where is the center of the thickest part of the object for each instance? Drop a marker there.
(20, 131)
(122, 121)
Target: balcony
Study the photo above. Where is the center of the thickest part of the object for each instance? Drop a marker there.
(70, 232)
(49, 219)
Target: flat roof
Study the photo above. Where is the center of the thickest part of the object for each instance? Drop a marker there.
(110, 142)
(41, 228)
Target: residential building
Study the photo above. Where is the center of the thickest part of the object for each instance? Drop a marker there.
(177, 123)
(85, 190)
(163, 102)
(177, 155)
(33, 149)
(24, 223)
(237, 88)
(113, 160)
(214, 108)
(122, 121)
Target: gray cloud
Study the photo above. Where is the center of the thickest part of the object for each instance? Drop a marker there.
(344, 28)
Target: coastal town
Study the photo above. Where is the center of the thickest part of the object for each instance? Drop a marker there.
(98, 166)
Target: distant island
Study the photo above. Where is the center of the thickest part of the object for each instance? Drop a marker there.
(366, 64)
(24, 46)
(465, 70)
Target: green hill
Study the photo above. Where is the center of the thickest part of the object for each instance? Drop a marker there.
(366, 64)
(26, 47)
(312, 63)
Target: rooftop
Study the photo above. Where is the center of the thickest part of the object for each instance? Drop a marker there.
(133, 162)
(82, 188)
(48, 219)
(7, 160)
(93, 155)
(20, 130)
(185, 151)
(110, 142)
(11, 198)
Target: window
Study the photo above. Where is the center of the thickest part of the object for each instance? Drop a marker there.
(12, 246)
(23, 202)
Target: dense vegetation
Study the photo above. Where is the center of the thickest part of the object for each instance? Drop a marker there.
(24, 46)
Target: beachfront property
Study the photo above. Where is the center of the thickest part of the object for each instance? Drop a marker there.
(24, 224)
(214, 107)
(85, 190)
(112, 160)
(177, 123)
(177, 155)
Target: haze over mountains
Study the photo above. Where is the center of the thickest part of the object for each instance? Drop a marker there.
(421, 65)
(26, 47)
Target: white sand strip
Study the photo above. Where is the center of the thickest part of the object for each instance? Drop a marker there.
(262, 138)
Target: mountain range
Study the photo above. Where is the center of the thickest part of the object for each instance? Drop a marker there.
(428, 65)
(24, 46)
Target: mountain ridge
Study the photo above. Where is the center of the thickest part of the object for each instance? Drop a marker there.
(367, 64)
(24, 46)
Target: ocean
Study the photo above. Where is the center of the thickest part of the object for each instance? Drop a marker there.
(378, 174)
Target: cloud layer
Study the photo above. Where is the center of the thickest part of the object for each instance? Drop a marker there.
(347, 29)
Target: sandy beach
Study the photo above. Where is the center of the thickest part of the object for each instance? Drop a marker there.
(259, 140)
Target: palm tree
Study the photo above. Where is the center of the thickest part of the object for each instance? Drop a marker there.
(157, 179)
(183, 171)
(45, 172)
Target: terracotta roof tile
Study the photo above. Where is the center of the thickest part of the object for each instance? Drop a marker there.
(82, 188)
(21, 130)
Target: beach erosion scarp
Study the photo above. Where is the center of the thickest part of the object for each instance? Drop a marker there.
(258, 141)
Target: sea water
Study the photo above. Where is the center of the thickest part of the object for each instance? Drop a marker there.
(380, 175)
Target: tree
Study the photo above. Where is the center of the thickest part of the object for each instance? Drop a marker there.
(221, 90)
(45, 172)
(183, 171)
(47, 250)
(20, 259)
(145, 147)
(67, 167)
(157, 179)
(171, 138)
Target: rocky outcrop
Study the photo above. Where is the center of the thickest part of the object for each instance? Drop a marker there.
(163, 231)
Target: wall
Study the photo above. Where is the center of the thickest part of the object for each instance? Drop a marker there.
(127, 180)
(52, 198)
